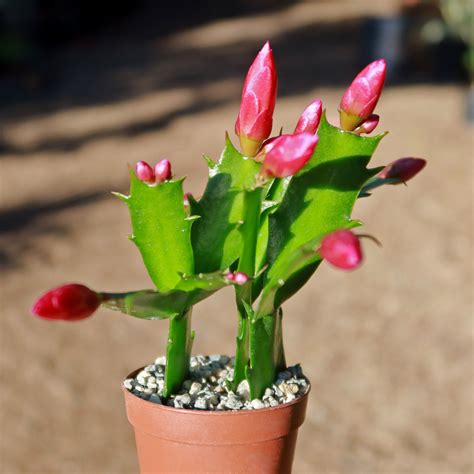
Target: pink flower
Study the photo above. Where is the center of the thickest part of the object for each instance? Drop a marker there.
(287, 154)
(255, 119)
(238, 278)
(403, 169)
(360, 99)
(310, 118)
(68, 302)
(368, 125)
(144, 172)
(162, 171)
(341, 249)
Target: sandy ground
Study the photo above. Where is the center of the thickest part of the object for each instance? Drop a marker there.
(388, 348)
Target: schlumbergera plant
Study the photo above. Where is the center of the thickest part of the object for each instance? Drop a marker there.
(269, 215)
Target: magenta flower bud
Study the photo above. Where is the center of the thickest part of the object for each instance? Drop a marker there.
(255, 119)
(162, 171)
(403, 169)
(68, 302)
(144, 172)
(341, 249)
(360, 99)
(238, 278)
(368, 125)
(287, 154)
(310, 118)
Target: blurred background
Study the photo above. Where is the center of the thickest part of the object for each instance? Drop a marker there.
(89, 86)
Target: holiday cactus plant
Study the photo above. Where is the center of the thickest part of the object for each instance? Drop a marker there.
(269, 215)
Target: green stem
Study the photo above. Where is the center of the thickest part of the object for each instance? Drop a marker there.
(241, 348)
(178, 352)
(267, 356)
(249, 231)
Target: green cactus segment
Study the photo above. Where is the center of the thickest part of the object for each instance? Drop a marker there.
(317, 201)
(241, 349)
(266, 354)
(178, 352)
(376, 183)
(161, 230)
(150, 304)
(215, 236)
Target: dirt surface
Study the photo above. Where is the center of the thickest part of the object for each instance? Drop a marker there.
(388, 348)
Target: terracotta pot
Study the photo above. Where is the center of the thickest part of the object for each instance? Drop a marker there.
(180, 440)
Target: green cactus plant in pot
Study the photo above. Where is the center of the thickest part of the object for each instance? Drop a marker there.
(268, 217)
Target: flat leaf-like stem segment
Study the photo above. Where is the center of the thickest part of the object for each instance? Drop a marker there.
(161, 230)
(317, 201)
(215, 236)
(152, 304)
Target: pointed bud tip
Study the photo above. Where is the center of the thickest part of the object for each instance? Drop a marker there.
(310, 118)
(342, 249)
(162, 171)
(361, 97)
(255, 119)
(403, 169)
(70, 302)
(144, 172)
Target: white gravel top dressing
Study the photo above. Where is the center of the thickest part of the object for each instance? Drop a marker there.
(207, 388)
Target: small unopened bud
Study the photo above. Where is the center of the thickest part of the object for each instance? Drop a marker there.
(162, 171)
(145, 172)
(287, 154)
(255, 119)
(342, 249)
(238, 278)
(310, 118)
(360, 99)
(403, 169)
(368, 125)
(186, 199)
(68, 302)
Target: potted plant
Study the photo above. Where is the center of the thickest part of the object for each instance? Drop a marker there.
(270, 214)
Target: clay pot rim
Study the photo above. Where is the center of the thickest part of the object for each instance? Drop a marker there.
(193, 412)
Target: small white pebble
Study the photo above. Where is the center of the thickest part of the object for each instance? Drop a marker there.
(200, 404)
(289, 397)
(195, 388)
(257, 403)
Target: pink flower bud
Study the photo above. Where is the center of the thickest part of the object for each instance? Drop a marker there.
(186, 199)
(403, 169)
(162, 171)
(287, 154)
(360, 99)
(144, 172)
(238, 278)
(255, 119)
(368, 125)
(341, 249)
(310, 118)
(68, 302)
